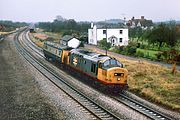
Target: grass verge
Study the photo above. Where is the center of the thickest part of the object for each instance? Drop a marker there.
(153, 82)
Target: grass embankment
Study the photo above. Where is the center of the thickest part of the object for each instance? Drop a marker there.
(56, 36)
(6, 33)
(34, 37)
(39, 37)
(153, 82)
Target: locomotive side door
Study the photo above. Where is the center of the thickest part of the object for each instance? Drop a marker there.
(93, 69)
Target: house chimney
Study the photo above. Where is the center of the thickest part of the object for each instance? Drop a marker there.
(92, 25)
(142, 17)
(132, 18)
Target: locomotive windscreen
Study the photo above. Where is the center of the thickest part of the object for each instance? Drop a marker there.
(112, 62)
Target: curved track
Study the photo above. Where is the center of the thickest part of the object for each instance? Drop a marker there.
(83, 100)
(96, 110)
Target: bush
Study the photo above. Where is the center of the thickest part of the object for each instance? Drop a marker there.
(104, 45)
(131, 50)
(139, 54)
(120, 49)
(138, 45)
(113, 49)
(142, 46)
(81, 44)
(159, 56)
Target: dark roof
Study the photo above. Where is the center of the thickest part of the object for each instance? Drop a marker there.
(67, 37)
(143, 22)
(57, 45)
(146, 23)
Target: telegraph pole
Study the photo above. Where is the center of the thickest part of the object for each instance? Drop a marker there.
(106, 36)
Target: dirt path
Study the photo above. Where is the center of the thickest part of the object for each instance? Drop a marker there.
(20, 97)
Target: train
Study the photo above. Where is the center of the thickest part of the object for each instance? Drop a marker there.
(103, 70)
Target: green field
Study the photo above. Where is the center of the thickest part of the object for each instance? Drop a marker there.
(148, 53)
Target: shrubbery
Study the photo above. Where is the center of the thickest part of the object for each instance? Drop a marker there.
(140, 54)
(104, 45)
(125, 50)
(131, 50)
(169, 56)
(142, 46)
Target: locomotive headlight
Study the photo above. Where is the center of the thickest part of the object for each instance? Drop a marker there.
(119, 74)
(118, 79)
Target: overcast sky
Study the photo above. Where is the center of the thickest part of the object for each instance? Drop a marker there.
(88, 10)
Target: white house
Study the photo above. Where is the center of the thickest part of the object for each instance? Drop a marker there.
(116, 36)
(69, 41)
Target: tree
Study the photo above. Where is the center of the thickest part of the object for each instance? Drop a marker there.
(104, 44)
(166, 34)
(59, 18)
(158, 35)
(136, 32)
(172, 34)
(9, 25)
(64, 26)
(163, 34)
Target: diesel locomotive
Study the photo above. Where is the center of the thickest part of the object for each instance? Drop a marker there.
(103, 69)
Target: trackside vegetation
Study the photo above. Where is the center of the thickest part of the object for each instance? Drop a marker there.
(7, 26)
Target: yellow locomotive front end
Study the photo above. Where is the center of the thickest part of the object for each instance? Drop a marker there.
(112, 73)
(117, 75)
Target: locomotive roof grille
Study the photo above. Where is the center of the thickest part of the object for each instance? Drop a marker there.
(90, 55)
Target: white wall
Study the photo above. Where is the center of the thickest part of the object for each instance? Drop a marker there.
(92, 36)
(95, 35)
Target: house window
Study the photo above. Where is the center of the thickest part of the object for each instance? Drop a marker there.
(104, 31)
(120, 40)
(121, 31)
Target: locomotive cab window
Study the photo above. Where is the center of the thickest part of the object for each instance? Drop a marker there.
(112, 62)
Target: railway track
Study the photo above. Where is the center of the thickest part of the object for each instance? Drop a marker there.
(96, 110)
(123, 98)
(139, 107)
(30, 45)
